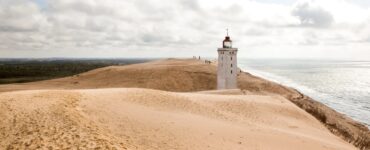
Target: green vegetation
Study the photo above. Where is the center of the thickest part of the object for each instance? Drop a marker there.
(28, 70)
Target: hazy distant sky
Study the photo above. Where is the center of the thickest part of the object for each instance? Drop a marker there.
(333, 29)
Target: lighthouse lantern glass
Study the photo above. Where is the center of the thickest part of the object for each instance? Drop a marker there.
(227, 44)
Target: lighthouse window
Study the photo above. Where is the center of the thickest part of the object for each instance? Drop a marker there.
(231, 65)
(231, 72)
(231, 58)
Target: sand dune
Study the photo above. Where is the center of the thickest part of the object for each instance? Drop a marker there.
(168, 75)
(151, 119)
(106, 117)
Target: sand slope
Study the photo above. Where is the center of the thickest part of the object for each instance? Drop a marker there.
(151, 119)
(47, 119)
(168, 75)
(193, 75)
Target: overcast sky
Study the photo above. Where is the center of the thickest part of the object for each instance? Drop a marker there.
(330, 29)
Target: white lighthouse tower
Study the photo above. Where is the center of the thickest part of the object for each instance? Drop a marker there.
(227, 65)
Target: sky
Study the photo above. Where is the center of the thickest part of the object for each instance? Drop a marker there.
(295, 29)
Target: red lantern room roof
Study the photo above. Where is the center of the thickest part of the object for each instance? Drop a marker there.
(227, 39)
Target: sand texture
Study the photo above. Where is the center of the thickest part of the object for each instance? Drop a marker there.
(149, 119)
(127, 107)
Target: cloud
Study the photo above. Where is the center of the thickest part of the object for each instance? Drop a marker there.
(169, 28)
(312, 15)
(19, 16)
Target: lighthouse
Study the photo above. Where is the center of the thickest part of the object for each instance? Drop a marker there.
(227, 65)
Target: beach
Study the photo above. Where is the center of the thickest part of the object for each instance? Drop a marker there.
(169, 104)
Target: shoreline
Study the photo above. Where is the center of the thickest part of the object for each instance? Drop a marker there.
(197, 76)
(350, 130)
(327, 99)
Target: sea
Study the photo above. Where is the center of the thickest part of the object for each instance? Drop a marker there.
(341, 85)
